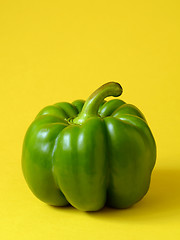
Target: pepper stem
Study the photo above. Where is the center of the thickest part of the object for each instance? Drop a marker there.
(91, 106)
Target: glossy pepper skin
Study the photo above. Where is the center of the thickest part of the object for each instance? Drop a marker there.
(89, 154)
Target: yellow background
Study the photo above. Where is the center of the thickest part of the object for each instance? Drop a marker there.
(53, 51)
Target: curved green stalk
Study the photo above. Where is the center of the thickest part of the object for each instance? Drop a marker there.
(93, 102)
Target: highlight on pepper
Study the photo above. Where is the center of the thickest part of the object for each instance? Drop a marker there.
(89, 153)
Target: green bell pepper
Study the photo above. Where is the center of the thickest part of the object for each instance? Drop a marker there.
(89, 154)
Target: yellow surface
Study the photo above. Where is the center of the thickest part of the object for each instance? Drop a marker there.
(54, 51)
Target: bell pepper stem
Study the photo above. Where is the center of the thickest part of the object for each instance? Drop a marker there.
(91, 106)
